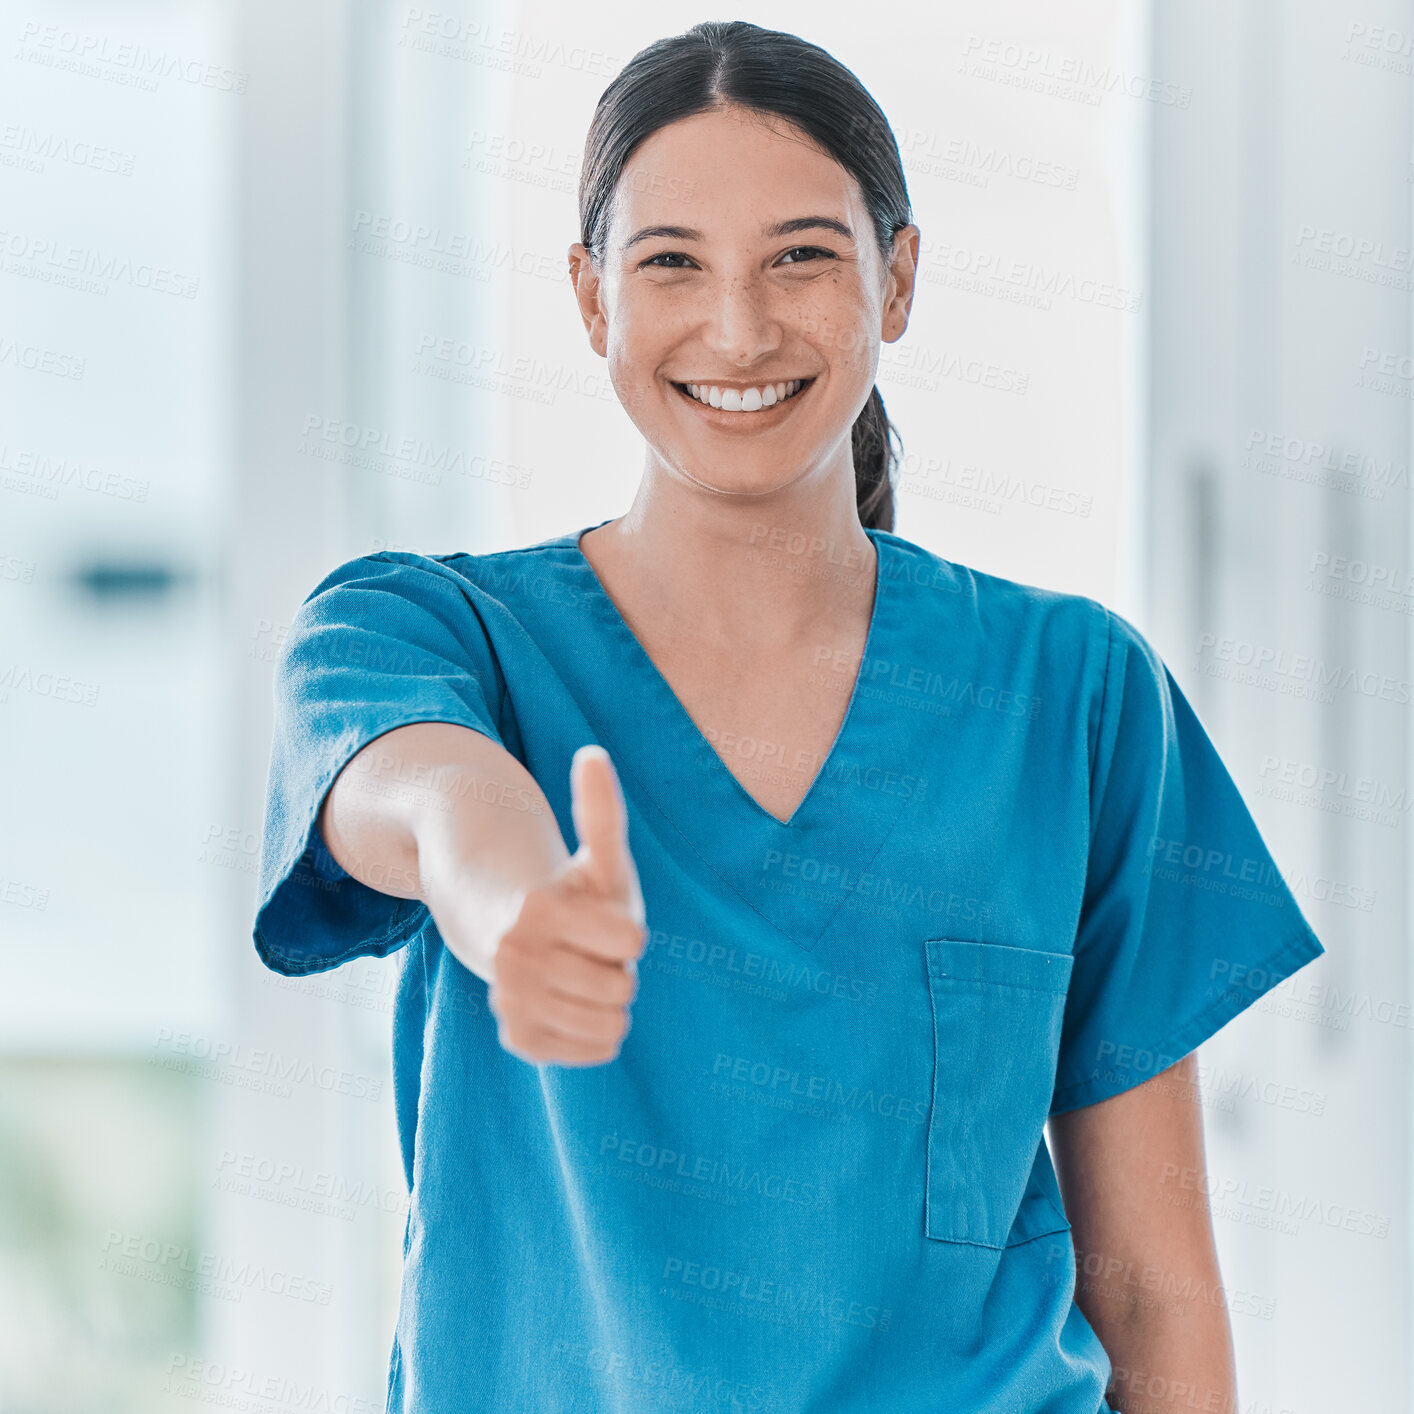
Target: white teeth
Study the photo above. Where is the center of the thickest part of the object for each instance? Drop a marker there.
(744, 400)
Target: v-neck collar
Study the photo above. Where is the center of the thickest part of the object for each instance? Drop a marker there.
(665, 688)
(796, 873)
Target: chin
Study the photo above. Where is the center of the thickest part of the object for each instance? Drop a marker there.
(737, 482)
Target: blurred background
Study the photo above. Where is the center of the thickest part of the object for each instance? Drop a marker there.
(285, 284)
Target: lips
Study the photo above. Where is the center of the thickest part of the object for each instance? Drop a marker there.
(759, 400)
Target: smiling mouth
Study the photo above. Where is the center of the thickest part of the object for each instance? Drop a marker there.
(748, 401)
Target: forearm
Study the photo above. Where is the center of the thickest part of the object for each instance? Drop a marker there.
(1169, 1354)
(441, 813)
(1147, 1273)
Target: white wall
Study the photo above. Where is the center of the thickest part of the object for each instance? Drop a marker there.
(350, 185)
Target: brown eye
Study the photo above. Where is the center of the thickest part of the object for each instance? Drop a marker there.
(809, 250)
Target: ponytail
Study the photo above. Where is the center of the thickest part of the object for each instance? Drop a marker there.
(874, 463)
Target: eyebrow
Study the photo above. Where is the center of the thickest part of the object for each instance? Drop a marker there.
(780, 228)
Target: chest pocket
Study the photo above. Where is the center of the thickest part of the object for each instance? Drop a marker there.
(996, 1034)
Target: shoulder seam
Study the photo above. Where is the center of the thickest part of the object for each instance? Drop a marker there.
(461, 554)
(543, 546)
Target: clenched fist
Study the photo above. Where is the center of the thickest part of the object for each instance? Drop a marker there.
(566, 969)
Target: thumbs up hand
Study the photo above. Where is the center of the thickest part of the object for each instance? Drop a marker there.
(602, 859)
(566, 968)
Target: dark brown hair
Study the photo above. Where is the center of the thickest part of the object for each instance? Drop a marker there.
(721, 62)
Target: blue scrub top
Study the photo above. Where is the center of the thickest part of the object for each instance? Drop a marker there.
(815, 1176)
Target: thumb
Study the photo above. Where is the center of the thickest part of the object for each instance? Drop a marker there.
(601, 823)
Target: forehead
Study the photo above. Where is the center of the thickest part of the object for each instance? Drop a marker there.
(730, 171)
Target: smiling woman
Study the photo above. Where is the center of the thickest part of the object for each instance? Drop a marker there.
(873, 866)
(770, 161)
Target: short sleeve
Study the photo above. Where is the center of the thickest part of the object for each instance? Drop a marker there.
(382, 641)
(1185, 919)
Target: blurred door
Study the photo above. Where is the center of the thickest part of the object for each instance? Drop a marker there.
(1280, 591)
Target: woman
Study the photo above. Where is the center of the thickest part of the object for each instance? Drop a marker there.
(898, 861)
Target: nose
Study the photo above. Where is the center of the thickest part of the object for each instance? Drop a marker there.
(739, 325)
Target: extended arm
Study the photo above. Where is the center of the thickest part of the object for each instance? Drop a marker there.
(442, 813)
(1132, 1173)
(435, 804)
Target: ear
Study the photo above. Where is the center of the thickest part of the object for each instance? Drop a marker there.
(900, 283)
(587, 288)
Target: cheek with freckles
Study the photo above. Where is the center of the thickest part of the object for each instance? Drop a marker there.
(842, 325)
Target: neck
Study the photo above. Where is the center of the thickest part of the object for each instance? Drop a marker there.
(737, 568)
